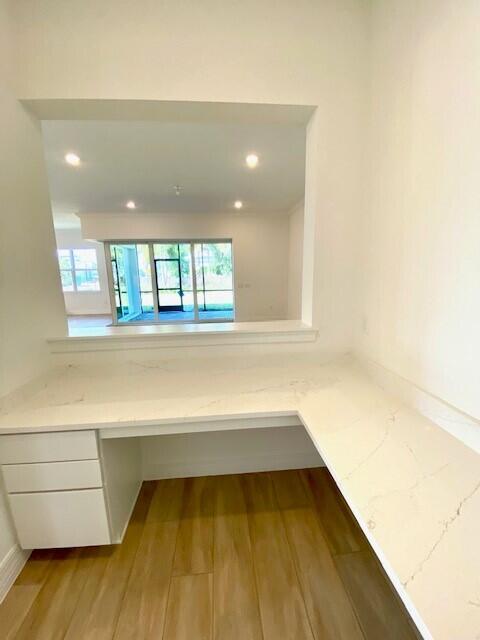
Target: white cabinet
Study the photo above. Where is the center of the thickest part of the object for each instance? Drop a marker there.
(60, 518)
(52, 476)
(48, 447)
(66, 491)
(55, 489)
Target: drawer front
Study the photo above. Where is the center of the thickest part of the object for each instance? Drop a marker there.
(48, 447)
(60, 519)
(52, 476)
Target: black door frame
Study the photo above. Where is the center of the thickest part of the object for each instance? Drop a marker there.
(179, 289)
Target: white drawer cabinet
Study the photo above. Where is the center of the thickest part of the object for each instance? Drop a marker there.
(60, 518)
(48, 447)
(64, 490)
(52, 476)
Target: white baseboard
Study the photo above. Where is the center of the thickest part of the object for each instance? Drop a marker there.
(219, 466)
(458, 424)
(10, 568)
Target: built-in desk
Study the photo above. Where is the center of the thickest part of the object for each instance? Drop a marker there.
(414, 489)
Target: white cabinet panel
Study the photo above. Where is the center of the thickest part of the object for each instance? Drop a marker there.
(52, 476)
(60, 519)
(122, 472)
(48, 447)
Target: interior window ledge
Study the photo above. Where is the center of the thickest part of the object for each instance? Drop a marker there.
(168, 335)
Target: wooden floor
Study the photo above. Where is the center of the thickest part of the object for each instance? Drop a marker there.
(265, 556)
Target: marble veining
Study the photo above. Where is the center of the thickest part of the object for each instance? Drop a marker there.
(414, 488)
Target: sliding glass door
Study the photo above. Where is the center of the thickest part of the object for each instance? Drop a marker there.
(214, 275)
(174, 279)
(126, 282)
(166, 281)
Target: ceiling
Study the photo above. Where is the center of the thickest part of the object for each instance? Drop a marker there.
(144, 160)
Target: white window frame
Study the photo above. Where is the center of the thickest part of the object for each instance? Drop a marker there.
(73, 270)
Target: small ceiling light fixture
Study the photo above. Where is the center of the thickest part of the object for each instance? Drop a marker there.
(72, 158)
(238, 204)
(251, 160)
(131, 205)
(177, 188)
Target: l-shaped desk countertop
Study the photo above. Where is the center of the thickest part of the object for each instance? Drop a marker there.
(414, 488)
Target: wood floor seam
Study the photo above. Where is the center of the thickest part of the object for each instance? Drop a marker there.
(293, 556)
(354, 609)
(255, 576)
(170, 581)
(126, 585)
(295, 565)
(255, 580)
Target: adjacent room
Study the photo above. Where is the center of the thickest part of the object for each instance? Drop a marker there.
(194, 217)
(239, 346)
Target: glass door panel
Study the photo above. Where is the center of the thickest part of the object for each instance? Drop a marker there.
(145, 282)
(214, 274)
(173, 272)
(132, 282)
(186, 273)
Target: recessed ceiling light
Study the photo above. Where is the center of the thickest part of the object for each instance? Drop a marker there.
(251, 160)
(72, 159)
(238, 204)
(131, 205)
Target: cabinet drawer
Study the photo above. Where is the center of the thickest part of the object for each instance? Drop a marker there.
(60, 519)
(52, 476)
(48, 447)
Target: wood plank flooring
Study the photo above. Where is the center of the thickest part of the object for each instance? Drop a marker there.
(261, 556)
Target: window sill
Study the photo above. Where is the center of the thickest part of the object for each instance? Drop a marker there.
(176, 335)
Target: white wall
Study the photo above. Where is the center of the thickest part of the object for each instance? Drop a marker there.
(275, 52)
(260, 248)
(295, 262)
(85, 302)
(421, 286)
(31, 305)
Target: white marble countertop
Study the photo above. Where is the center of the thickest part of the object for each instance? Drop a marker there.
(414, 489)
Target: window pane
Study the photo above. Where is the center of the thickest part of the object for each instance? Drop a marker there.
(188, 304)
(218, 305)
(64, 259)
(186, 267)
(87, 280)
(144, 271)
(114, 274)
(213, 262)
(125, 303)
(85, 258)
(165, 251)
(67, 280)
(147, 301)
(219, 300)
(169, 298)
(168, 276)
